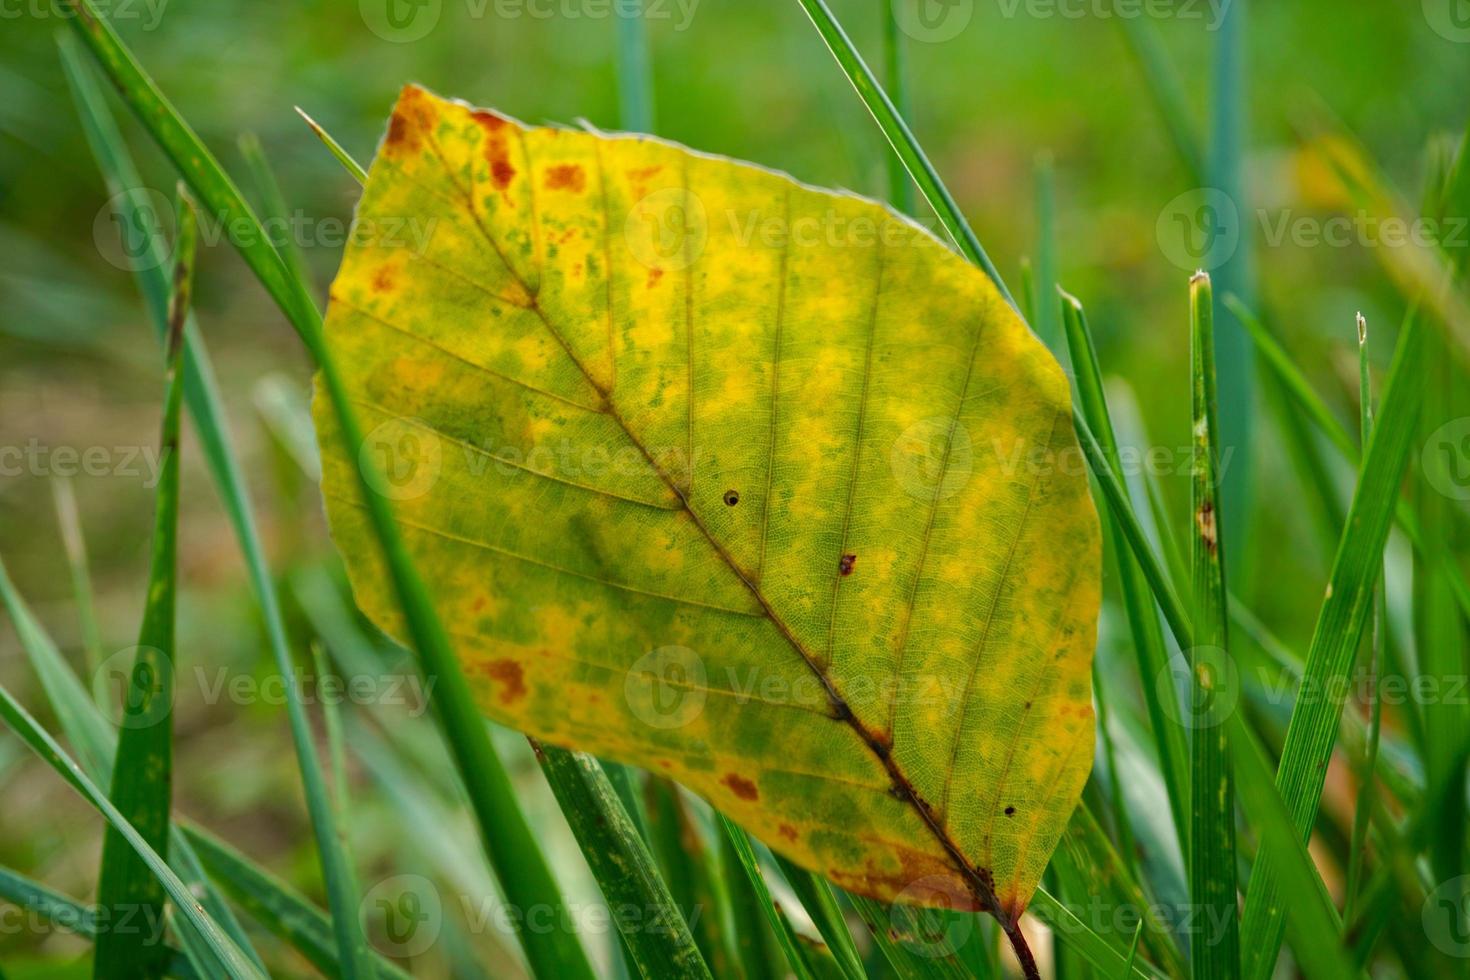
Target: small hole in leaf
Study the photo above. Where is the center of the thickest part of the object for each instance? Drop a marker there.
(1010, 811)
(732, 497)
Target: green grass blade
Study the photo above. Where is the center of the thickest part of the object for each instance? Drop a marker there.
(1225, 172)
(67, 913)
(1046, 322)
(658, 939)
(901, 138)
(512, 848)
(95, 741)
(634, 70)
(1212, 793)
(1314, 721)
(278, 908)
(228, 956)
(70, 521)
(1313, 924)
(821, 905)
(1143, 618)
(1104, 954)
(900, 187)
(1358, 843)
(785, 936)
(1166, 91)
(273, 204)
(343, 157)
(909, 946)
(142, 773)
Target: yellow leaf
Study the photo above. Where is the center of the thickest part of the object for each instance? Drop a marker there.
(755, 485)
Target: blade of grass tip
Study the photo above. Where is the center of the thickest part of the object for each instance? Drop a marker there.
(1143, 618)
(1163, 85)
(343, 157)
(821, 905)
(512, 848)
(1225, 172)
(1211, 852)
(634, 71)
(1312, 730)
(70, 521)
(657, 939)
(901, 139)
(142, 772)
(1133, 949)
(278, 908)
(1295, 382)
(775, 918)
(273, 204)
(1368, 780)
(900, 187)
(227, 955)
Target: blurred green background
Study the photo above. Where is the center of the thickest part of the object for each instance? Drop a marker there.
(79, 367)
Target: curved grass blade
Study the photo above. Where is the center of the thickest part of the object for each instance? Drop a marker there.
(95, 742)
(228, 956)
(512, 848)
(786, 936)
(272, 203)
(72, 539)
(657, 939)
(886, 115)
(1312, 731)
(1212, 792)
(1102, 953)
(900, 187)
(906, 944)
(821, 905)
(1143, 618)
(142, 773)
(277, 907)
(1295, 382)
(1167, 92)
(69, 914)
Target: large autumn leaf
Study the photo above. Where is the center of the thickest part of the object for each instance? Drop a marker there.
(749, 483)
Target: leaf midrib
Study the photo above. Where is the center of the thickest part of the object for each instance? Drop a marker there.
(978, 879)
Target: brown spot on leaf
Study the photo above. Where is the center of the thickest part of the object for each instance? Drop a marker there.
(566, 177)
(497, 152)
(845, 565)
(383, 279)
(740, 786)
(787, 831)
(479, 604)
(512, 681)
(654, 275)
(1205, 518)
